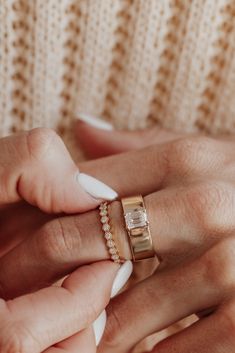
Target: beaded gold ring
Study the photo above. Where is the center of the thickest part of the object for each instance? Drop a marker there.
(108, 235)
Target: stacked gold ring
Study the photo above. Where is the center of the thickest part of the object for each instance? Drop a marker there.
(137, 226)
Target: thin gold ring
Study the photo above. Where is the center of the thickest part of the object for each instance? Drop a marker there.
(137, 226)
(108, 233)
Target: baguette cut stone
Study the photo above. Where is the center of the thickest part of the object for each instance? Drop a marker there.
(136, 218)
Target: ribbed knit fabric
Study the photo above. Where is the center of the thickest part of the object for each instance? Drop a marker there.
(132, 62)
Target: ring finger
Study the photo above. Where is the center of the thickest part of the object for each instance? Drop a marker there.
(173, 163)
(183, 221)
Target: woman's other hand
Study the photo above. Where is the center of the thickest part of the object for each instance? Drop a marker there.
(191, 179)
(37, 174)
(58, 319)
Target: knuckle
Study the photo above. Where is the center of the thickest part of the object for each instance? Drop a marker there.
(218, 266)
(59, 242)
(113, 335)
(17, 339)
(39, 141)
(212, 204)
(12, 345)
(187, 154)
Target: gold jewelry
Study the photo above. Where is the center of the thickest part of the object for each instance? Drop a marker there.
(106, 227)
(137, 226)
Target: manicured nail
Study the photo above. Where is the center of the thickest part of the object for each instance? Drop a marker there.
(99, 326)
(96, 188)
(95, 122)
(122, 277)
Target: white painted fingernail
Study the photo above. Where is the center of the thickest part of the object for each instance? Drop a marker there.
(99, 326)
(96, 188)
(122, 277)
(95, 122)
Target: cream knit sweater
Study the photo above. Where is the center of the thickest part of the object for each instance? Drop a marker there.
(132, 62)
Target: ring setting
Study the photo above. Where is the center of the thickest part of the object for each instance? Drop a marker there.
(138, 229)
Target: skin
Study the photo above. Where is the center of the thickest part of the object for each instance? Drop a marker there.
(188, 185)
(37, 174)
(57, 319)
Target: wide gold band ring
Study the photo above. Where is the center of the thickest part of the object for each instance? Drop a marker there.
(137, 227)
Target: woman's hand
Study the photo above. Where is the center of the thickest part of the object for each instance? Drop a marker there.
(193, 227)
(189, 189)
(37, 170)
(205, 285)
(189, 193)
(58, 319)
(188, 185)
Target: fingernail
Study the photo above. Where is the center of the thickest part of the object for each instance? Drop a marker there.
(122, 277)
(99, 326)
(96, 188)
(95, 122)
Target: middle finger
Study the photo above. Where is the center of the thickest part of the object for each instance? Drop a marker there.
(174, 163)
(184, 222)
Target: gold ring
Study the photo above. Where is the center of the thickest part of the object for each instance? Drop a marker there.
(108, 233)
(137, 227)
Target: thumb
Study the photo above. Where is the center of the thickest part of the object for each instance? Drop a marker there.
(36, 166)
(99, 139)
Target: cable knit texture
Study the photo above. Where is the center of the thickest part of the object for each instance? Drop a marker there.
(135, 63)
(132, 62)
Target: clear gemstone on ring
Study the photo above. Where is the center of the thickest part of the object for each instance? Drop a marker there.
(103, 206)
(108, 235)
(113, 251)
(106, 227)
(110, 243)
(104, 219)
(103, 212)
(136, 218)
(115, 257)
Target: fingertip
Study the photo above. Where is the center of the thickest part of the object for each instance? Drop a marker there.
(95, 142)
(81, 192)
(94, 121)
(99, 274)
(96, 188)
(99, 326)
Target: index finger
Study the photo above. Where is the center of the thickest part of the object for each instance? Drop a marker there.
(36, 166)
